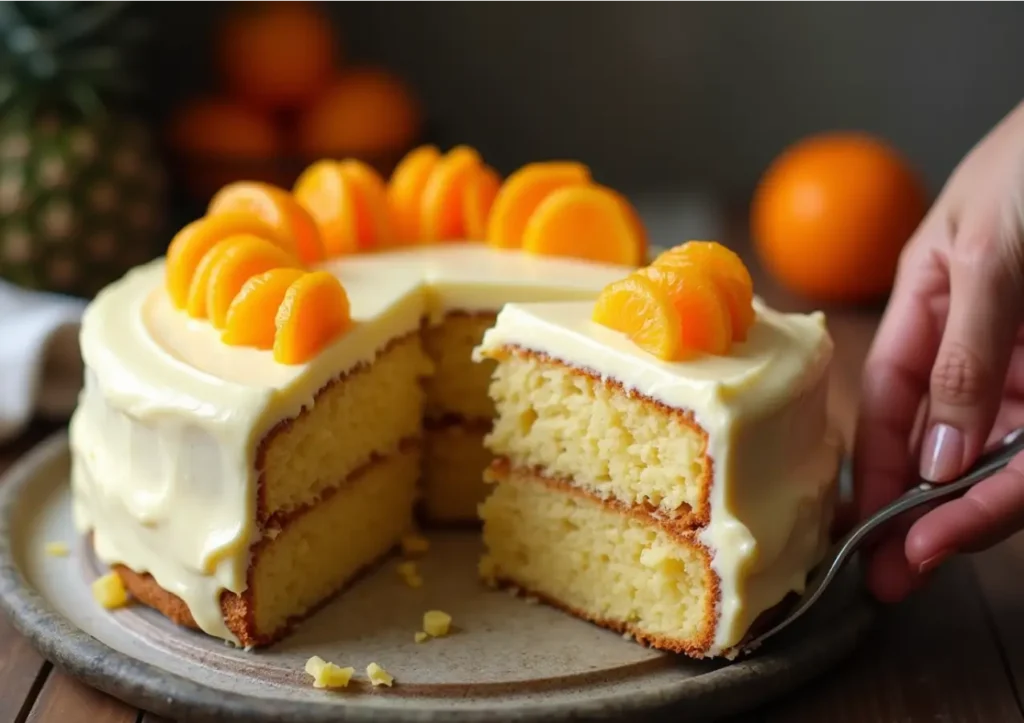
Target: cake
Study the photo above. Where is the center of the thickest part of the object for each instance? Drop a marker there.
(669, 493)
(274, 406)
(262, 420)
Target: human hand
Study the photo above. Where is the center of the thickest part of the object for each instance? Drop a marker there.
(945, 374)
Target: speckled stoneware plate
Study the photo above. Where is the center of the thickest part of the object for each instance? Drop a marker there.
(506, 660)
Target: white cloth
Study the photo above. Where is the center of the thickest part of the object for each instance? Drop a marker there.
(40, 363)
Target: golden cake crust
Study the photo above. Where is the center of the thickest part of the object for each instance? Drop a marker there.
(684, 534)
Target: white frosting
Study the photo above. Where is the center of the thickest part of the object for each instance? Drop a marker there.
(764, 409)
(164, 438)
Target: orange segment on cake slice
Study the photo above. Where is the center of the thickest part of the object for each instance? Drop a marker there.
(676, 489)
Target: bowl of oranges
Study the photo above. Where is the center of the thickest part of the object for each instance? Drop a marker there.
(287, 99)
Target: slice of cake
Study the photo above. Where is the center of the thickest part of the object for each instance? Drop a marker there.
(667, 469)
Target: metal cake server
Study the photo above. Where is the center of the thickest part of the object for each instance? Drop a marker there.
(840, 553)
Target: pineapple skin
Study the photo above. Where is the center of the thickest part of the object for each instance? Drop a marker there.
(82, 201)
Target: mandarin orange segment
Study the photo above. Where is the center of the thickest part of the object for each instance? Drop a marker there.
(243, 258)
(369, 194)
(405, 189)
(644, 312)
(704, 321)
(727, 270)
(477, 201)
(193, 242)
(276, 207)
(252, 316)
(522, 192)
(315, 311)
(441, 216)
(323, 191)
(585, 222)
(196, 303)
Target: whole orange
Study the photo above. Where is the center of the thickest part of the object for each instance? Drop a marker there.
(366, 111)
(276, 55)
(832, 213)
(218, 141)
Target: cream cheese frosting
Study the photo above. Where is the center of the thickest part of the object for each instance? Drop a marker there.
(165, 434)
(764, 409)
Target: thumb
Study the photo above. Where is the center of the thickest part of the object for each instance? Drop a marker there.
(966, 385)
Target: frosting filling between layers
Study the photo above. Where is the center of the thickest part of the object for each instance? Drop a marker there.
(763, 407)
(164, 439)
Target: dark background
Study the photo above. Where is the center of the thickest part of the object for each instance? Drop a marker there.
(664, 96)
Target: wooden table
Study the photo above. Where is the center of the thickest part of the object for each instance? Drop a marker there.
(954, 652)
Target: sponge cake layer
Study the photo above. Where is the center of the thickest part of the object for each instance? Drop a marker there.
(302, 562)
(614, 565)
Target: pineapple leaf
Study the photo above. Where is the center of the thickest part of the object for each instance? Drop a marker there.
(72, 55)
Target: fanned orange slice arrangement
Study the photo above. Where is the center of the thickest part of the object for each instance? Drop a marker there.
(455, 196)
(405, 189)
(192, 243)
(728, 272)
(243, 262)
(523, 192)
(348, 200)
(276, 207)
(556, 209)
(245, 266)
(253, 312)
(315, 311)
(694, 299)
(585, 222)
(441, 205)
(242, 258)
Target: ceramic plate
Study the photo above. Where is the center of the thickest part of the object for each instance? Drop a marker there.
(505, 659)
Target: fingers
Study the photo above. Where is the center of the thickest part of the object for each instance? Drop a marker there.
(895, 379)
(888, 575)
(989, 512)
(894, 385)
(967, 379)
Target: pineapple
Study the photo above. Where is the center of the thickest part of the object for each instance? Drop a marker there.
(82, 188)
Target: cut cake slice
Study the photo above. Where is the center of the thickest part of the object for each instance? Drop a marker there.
(676, 501)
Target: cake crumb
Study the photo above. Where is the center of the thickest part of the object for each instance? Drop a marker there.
(531, 600)
(627, 635)
(56, 549)
(379, 676)
(109, 591)
(414, 544)
(420, 636)
(437, 623)
(328, 675)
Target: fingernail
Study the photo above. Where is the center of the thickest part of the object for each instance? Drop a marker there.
(942, 454)
(932, 562)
